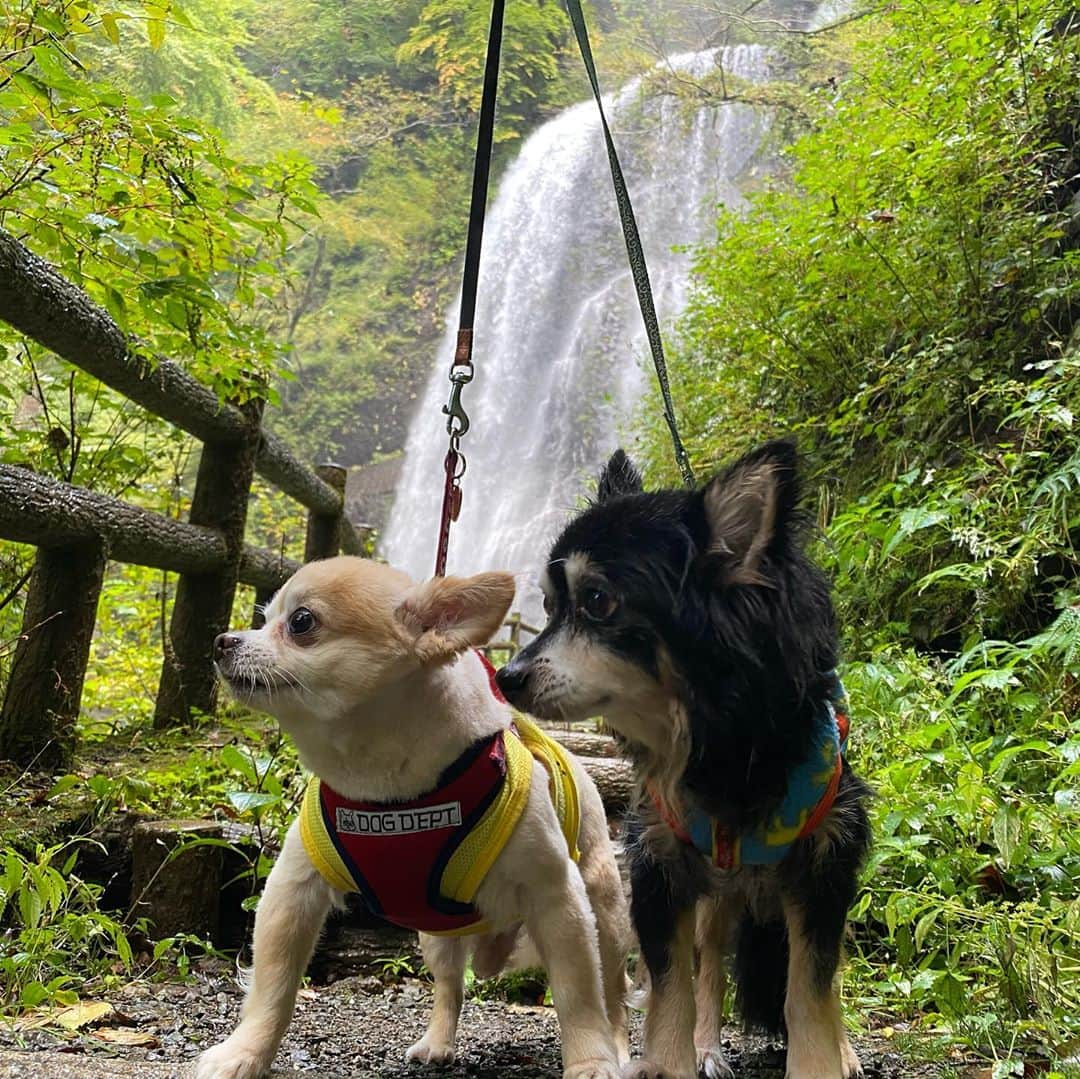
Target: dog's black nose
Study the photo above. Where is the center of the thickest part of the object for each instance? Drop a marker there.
(511, 679)
(224, 642)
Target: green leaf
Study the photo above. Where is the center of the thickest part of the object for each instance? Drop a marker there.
(245, 801)
(64, 783)
(950, 994)
(924, 925)
(969, 786)
(1005, 757)
(239, 761)
(1007, 829)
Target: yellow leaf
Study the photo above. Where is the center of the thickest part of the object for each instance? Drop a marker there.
(70, 1018)
(155, 29)
(83, 1014)
(109, 25)
(118, 1036)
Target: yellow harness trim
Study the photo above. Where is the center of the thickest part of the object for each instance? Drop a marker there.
(318, 844)
(561, 783)
(476, 854)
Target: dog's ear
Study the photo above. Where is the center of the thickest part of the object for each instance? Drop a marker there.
(446, 615)
(619, 477)
(747, 509)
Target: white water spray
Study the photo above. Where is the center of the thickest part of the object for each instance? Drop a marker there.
(559, 339)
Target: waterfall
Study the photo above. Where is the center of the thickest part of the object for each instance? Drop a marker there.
(560, 349)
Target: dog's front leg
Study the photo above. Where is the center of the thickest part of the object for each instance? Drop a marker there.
(291, 912)
(562, 925)
(713, 945)
(445, 958)
(665, 921)
(818, 1046)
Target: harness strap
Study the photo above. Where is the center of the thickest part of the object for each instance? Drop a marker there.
(729, 851)
(635, 253)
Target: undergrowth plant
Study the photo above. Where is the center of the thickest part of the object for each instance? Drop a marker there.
(968, 922)
(57, 944)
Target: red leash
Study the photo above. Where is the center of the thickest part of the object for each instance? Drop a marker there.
(451, 502)
(461, 373)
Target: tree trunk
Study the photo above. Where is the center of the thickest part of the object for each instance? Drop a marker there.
(586, 743)
(324, 529)
(44, 688)
(178, 891)
(614, 780)
(203, 605)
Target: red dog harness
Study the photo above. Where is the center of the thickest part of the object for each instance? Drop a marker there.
(404, 848)
(419, 863)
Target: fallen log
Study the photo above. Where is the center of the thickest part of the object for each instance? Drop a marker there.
(614, 779)
(586, 743)
(39, 510)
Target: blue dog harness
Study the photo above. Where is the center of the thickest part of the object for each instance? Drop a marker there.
(811, 791)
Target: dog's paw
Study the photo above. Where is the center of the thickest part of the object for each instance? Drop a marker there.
(819, 1069)
(645, 1069)
(592, 1069)
(429, 1051)
(227, 1061)
(850, 1062)
(712, 1065)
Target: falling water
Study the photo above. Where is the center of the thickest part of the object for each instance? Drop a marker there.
(559, 339)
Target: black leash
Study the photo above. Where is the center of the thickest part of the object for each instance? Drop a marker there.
(461, 368)
(636, 255)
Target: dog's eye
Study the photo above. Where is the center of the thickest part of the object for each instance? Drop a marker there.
(301, 621)
(598, 604)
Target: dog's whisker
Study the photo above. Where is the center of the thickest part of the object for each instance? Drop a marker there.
(295, 682)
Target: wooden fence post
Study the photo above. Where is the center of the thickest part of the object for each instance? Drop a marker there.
(44, 688)
(323, 529)
(262, 598)
(203, 605)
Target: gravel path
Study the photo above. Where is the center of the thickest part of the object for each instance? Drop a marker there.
(354, 1028)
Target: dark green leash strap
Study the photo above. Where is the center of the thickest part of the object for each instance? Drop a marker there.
(638, 269)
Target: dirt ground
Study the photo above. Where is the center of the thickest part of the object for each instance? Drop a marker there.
(352, 1028)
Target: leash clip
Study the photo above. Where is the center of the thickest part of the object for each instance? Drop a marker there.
(458, 423)
(461, 374)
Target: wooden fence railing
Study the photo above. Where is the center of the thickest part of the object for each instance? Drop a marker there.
(77, 532)
(504, 649)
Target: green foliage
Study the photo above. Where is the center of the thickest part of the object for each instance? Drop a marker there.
(142, 206)
(453, 35)
(392, 968)
(969, 914)
(56, 939)
(522, 985)
(909, 316)
(324, 48)
(182, 243)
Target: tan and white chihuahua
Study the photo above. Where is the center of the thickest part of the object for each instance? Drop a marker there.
(375, 679)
